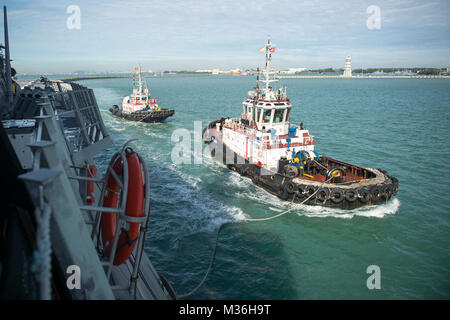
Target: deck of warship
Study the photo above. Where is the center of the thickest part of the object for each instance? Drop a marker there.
(51, 243)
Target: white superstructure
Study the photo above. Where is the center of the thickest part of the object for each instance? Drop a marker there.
(264, 134)
(140, 99)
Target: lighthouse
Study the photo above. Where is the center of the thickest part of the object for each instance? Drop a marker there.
(348, 67)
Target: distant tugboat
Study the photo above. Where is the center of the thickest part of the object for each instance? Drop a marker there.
(280, 157)
(140, 106)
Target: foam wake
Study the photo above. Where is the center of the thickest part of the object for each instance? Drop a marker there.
(275, 204)
(374, 211)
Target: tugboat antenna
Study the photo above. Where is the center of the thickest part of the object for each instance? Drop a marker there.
(268, 50)
(267, 64)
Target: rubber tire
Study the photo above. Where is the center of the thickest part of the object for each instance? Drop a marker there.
(351, 195)
(364, 195)
(301, 192)
(290, 187)
(376, 193)
(310, 190)
(282, 193)
(340, 194)
(387, 191)
(291, 172)
(322, 194)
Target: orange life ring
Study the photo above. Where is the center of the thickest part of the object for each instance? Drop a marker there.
(245, 116)
(134, 208)
(91, 172)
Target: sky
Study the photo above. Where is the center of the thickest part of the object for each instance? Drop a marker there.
(116, 35)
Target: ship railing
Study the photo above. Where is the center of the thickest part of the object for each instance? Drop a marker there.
(79, 108)
(245, 130)
(45, 153)
(58, 211)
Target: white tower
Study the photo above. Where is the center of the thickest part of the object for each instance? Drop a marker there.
(348, 67)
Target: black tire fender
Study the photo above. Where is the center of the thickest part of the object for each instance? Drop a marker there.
(351, 195)
(290, 171)
(301, 191)
(290, 186)
(387, 191)
(376, 193)
(337, 195)
(310, 190)
(364, 195)
(323, 194)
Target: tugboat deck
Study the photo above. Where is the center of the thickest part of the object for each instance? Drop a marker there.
(349, 178)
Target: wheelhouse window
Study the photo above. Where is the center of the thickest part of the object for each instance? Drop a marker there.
(266, 115)
(288, 114)
(257, 114)
(278, 115)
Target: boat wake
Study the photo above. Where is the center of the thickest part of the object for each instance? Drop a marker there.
(199, 210)
(378, 211)
(274, 204)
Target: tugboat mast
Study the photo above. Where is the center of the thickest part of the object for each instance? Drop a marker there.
(268, 58)
(139, 79)
(138, 69)
(268, 51)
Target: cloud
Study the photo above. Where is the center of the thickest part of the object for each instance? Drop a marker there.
(223, 33)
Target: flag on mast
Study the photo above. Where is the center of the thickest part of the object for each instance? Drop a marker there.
(272, 50)
(262, 49)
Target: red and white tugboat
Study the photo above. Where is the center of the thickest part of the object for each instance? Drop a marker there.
(140, 106)
(280, 156)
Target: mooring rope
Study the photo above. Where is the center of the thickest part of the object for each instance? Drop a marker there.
(213, 254)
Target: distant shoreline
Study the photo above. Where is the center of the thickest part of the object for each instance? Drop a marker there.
(80, 78)
(131, 76)
(364, 77)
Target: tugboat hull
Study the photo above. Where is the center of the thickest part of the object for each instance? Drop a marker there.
(148, 116)
(361, 186)
(328, 195)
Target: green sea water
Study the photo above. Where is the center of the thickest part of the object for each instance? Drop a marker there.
(399, 125)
